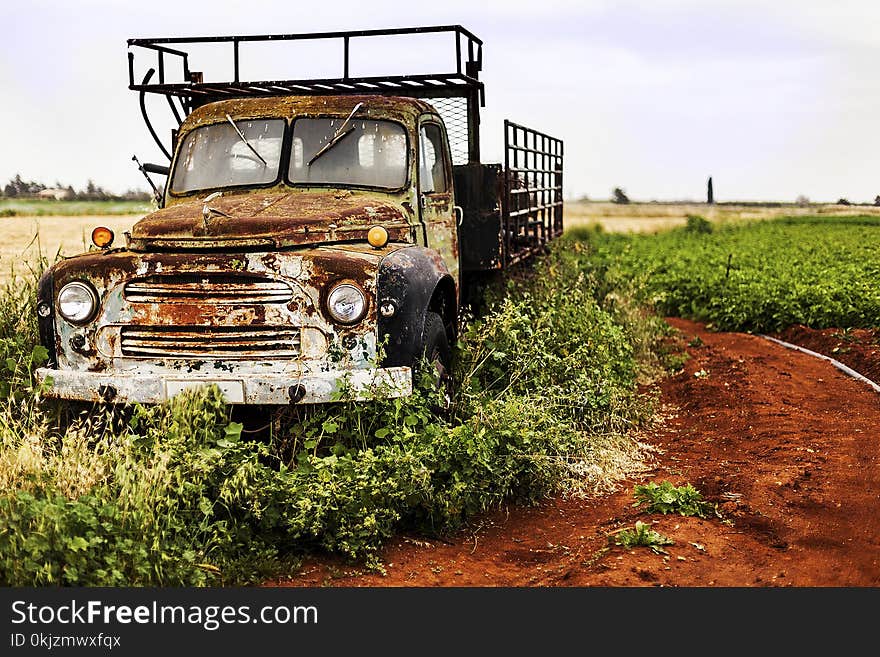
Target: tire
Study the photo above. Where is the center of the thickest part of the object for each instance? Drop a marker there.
(437, 352)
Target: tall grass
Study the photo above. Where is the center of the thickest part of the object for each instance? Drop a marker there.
(546, 402)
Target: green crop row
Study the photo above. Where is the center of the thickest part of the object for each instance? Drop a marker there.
(817, 271)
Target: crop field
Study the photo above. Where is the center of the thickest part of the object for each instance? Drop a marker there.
(818, 271)
(652, 217)
(558, 386)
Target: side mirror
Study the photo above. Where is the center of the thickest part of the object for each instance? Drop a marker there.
(152, 168)
(156, 168)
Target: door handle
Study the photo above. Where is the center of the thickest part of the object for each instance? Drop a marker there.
(459, 214)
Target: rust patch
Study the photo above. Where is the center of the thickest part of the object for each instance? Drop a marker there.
(290, 218)
(332, 264)
(156, 305)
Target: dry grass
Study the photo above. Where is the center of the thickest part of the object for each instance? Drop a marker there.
(25, 238)
(651, 217)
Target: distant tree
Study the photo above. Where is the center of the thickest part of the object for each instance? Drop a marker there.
(136, 195)
(802, 201)
(619, 196)
(877, 200)
(93, 192)
(843, 201)
(19, 187)
(710, 193)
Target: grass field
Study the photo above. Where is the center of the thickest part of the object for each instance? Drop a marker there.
(651, 217)
(31, 207)
(25, 237)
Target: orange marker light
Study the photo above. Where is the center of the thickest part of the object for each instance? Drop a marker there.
(102, 237)
(377, 237)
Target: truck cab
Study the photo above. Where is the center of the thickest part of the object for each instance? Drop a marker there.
(307, 248)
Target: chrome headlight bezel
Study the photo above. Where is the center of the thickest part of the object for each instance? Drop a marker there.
(81, 317)
(355, 295)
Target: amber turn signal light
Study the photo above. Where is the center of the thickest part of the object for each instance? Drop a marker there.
(102, 237)
(377, 237)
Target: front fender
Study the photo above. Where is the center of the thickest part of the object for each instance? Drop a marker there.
(46, 322)
(408, 279)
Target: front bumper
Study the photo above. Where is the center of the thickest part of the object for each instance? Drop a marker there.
(157, 385)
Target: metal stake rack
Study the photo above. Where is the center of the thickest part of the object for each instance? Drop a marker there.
(458, 92)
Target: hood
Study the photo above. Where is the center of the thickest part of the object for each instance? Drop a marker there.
(271, 220)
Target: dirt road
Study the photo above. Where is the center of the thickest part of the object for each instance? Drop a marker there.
(785, 444)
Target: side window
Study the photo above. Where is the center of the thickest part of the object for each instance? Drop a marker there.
(432, 160)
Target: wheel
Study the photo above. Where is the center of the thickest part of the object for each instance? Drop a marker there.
(437, 353)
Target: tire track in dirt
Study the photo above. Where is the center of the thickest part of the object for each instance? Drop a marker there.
(785, 444)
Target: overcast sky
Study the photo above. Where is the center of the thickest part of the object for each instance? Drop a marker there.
(772, 99)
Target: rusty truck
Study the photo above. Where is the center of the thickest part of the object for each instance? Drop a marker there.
(314, 238)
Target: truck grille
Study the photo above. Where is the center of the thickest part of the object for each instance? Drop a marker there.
(208, 288)
(210, 341)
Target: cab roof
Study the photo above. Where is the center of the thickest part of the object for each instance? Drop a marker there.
(398, 108)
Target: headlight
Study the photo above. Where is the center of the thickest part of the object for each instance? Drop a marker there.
(346, 303)
(77, 302)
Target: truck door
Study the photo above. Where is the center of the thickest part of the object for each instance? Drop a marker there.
(436, 200)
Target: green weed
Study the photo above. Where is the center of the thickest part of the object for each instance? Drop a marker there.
(643, 536)
(665, 498)
(698, 224)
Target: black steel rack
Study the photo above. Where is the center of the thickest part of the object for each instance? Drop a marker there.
(457, 94)
(532, 201)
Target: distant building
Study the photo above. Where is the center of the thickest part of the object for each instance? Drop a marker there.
(57, 194)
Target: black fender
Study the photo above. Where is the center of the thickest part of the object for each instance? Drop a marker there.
(46, 325)
(414, 280)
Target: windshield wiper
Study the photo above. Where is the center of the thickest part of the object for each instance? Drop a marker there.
(246, 142)
(337, 136)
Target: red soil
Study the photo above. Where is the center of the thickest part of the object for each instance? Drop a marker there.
(784, 443)
(859, 349)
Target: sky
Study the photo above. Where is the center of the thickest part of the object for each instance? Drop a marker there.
(774, 100)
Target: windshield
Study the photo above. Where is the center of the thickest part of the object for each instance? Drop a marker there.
(243, 152)
(366, 152)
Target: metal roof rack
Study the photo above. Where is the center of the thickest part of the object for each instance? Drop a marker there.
(459, 92)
